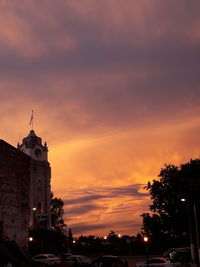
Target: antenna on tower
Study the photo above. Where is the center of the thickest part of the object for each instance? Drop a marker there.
(31, 121)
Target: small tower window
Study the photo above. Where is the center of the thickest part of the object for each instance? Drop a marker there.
(38, 153)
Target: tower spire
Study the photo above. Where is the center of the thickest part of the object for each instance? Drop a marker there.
(31, 121)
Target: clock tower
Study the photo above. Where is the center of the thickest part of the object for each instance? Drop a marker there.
(40, 174)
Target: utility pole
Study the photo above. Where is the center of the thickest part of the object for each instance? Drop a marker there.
(190, 229)
(197, 230)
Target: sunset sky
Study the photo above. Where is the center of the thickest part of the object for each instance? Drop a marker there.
(115, 89)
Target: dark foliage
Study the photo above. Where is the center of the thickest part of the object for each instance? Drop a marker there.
(46, 241)
(57, 212)
(167, 224)
(50, 240)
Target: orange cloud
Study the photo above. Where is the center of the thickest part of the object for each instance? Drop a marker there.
(115, 90)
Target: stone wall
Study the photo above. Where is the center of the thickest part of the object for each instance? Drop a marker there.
(40, 193)
(14, 194)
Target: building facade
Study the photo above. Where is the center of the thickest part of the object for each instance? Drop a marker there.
(40, 180)
(25, 193)
(14, 195)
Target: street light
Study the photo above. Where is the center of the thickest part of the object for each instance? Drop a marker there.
(30, 239)
(146, 239)
(183, 199)
(197, 230)
(190, 229)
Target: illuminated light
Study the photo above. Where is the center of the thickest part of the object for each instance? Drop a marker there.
(34, 208)
(105, 237)
(183, 199)
(119, 235)
(74, 241)
(30, 238)
(146, 239)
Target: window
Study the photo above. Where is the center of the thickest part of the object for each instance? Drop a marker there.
(39, 207)
(38, 153)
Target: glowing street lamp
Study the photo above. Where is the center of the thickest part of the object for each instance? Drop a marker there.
(30, 239)
(190, 228)
(146, 239)
(197, 230)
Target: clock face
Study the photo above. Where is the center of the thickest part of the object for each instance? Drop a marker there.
(38, 153)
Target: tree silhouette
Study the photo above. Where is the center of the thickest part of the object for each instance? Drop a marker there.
(57, 212)
(112, 236)
(168, 222)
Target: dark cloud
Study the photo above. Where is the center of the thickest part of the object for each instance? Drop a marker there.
(84, 227)
(129, 190)
(81, 209)
(89, 194)
(145, 70)
(90, 201)
(82, 199)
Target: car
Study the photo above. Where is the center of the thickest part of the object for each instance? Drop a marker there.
(155, 262)
(108, 261)
(48, 259)
(172, 253)
(66, 258)
(181, 255)
(167, 253)
(79, 260)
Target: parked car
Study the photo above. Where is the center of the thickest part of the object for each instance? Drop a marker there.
(155, 262)
(181, 255)
(108, 261)
(167, 254)
(81, 260)
(48, 259)
(71, 259)
(66, 258)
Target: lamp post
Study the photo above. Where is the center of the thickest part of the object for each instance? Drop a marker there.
(197, 230)
(190, 229)
(146, 239)
(128, 242)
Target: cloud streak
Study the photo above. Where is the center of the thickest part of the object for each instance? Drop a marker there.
(95, 204)
(91, 194)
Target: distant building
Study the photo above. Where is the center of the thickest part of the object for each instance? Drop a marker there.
(25, 195)
(14, 194)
